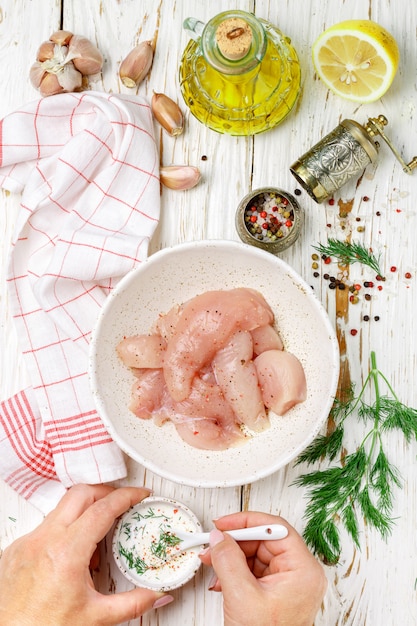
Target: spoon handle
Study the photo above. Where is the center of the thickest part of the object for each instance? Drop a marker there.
(262, 533)
(273, 531)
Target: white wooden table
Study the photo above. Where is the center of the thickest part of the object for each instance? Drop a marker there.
(377, 585)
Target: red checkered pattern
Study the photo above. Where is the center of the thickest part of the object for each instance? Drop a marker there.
(87, 167)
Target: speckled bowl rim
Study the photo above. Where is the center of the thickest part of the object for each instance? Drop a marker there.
(185, 270)
(188, 574)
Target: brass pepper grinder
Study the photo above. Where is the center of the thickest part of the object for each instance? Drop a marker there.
(341, 155)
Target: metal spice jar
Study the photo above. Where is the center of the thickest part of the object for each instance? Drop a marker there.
(269, 218)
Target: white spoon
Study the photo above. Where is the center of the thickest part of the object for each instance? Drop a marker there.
(273, 531)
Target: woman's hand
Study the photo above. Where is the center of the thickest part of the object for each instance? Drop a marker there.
(267, 583)
(45, 575)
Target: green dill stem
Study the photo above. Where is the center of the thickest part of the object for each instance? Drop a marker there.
(357, 400)
(375, 432)
(374, 373)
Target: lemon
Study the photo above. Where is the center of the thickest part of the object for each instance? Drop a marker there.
(356, 59)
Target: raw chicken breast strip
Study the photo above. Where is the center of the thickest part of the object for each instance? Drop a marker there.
(205, 325)
(282, 380)
(204, 420)
(266, 338)
(147, 392)
(236, 376)
(142, 350)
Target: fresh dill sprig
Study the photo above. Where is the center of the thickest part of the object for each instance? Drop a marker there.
(166, 539)
(364, 481)
(150, 514)
(350, 252)
(133, 562)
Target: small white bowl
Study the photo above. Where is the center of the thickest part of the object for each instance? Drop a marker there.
(140, 548)
(171, 277)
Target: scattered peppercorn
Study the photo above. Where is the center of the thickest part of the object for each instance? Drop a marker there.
(366, 318)
(368, 296)
(393, 268)
(365, 199)
(315, 256)
(326, 276)
(332, 285)
(316, 274)
(353, 332)
(407, 275)
(368, 283)
(204, 157)
(327, 260)
(378, 213)
(341, 286)
(376, 318)
(297, 192)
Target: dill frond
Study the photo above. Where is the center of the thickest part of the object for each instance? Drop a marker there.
(348, 253)
(363, 480)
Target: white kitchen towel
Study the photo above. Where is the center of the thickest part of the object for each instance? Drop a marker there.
(87, 167)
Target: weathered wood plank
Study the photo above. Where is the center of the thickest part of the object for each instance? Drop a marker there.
(361, 590)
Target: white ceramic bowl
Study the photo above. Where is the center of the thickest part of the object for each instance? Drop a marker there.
(172, 276)
(135, 556)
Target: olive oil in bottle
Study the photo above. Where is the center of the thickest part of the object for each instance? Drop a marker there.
(240, 75)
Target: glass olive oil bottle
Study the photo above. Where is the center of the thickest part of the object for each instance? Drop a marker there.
(239, 75)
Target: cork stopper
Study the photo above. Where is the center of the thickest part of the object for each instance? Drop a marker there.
(234, 38)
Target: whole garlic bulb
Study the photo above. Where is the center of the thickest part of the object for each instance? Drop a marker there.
(62, 62)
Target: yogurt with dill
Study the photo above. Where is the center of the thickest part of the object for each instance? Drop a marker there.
(146, 548)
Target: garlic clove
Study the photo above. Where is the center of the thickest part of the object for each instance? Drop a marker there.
(86, 57)
(179, 177)
(168, 114)
(135, 67)
(61, 37)
(50, 85)
(36, 74)
(45, 51)
(70, 78)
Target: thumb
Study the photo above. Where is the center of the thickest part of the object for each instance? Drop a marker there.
(128, 605)
(229, 564)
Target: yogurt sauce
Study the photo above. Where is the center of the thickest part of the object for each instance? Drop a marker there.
(146, 548)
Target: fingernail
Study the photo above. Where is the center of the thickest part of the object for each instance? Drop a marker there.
(213, 581)
(216, 536)
(162, 601)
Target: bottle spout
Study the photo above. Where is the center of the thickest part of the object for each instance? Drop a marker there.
(193, 27)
